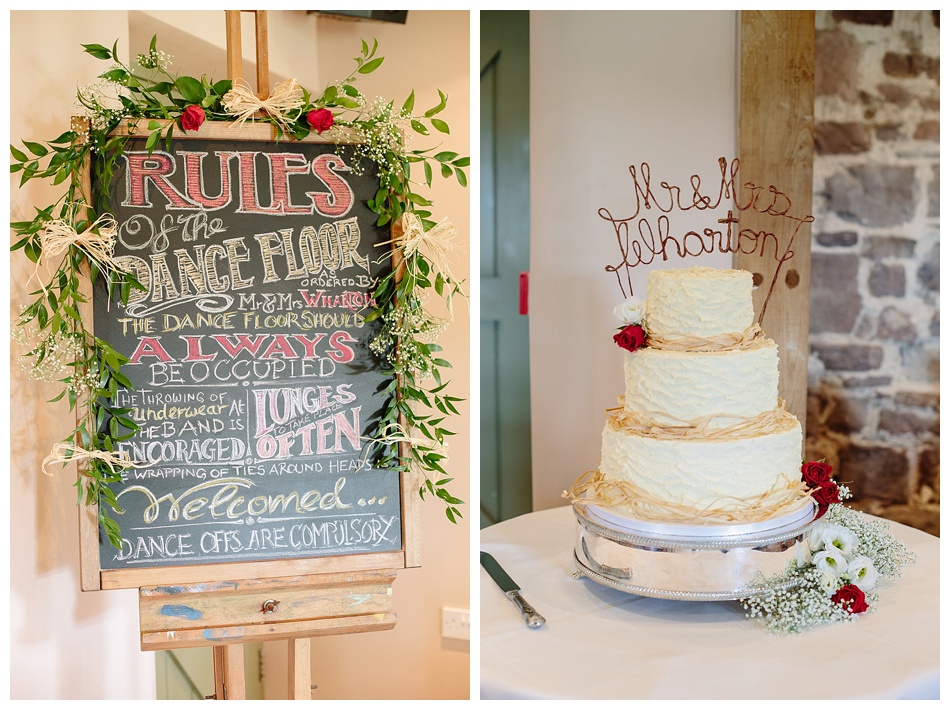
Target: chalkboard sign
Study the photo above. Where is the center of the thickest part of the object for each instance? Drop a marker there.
(254, 384)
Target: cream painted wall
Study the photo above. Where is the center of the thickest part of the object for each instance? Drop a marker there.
(608, 90)
(64, 644)
(55, 629)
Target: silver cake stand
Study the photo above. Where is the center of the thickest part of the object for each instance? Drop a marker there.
(684, 561)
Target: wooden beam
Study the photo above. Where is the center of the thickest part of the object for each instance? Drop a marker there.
(298, 668)
(229, 672)
(776, 146)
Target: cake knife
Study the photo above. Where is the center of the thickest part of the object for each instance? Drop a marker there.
(532, 618)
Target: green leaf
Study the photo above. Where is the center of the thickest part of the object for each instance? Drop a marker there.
(19, 154)
(418, 127)
(190, 89)
(370, 66)
(97, 50)
(437, 109)
(439, 125)
(346, 102)
(153, 139)
(463, 181)
(118, 75)
(67, 137)
(37, 149)
(409, 103)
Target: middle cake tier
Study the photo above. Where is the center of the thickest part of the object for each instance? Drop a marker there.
(718, 388)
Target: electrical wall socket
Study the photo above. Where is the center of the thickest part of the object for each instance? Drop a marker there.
(456, 624)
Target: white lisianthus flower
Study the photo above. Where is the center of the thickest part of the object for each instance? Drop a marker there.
(816, 540)
(831, 561)
(862, 574)
(840, 538)
(802, 553)
(630, 311)
(829, 583)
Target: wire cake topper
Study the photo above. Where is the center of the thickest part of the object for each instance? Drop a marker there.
(641, 240)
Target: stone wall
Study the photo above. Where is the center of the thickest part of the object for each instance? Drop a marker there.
(873, 371)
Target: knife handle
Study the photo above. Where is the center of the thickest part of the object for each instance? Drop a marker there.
(532, 618)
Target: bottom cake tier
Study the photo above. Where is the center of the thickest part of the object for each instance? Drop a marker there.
(746, 474)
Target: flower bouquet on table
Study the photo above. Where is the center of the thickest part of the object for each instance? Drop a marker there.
(840, 561)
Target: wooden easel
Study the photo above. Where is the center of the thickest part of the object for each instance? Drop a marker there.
(235, 59)
(229, 681)
(228, 604)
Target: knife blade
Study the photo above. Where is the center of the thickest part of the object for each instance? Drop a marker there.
(511, 589)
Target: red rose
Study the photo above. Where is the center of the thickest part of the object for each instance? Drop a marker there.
(851, 599)
(814, 473)
(631, 337)
(825, 495)
(320, 119)
(192, 118)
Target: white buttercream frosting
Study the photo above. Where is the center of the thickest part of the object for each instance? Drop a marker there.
(678, 387)
(698, 474)
(698, 301)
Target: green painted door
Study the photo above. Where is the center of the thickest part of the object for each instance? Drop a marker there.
(505, 387)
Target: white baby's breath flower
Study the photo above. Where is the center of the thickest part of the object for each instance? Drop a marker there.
(630, 311)
(862, 574)
(830, 560)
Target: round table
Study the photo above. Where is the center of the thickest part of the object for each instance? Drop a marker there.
(600, 643)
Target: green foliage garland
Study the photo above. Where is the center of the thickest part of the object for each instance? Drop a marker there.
(410, 436)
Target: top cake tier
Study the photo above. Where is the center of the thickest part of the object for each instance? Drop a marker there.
(698, 301)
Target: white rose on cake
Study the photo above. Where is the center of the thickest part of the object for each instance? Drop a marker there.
(630, 311)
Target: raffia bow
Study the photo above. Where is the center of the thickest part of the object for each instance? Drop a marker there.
(242, 103)
(436, 244)
(97, 241)
(63, 453)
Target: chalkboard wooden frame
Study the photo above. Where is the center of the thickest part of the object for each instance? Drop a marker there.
(92, 574)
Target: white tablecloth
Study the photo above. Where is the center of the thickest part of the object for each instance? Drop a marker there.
(602, 643)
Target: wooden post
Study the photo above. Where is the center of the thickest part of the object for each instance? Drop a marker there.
(229, 672)
(235, 58)
(298, 669)
(776, 146)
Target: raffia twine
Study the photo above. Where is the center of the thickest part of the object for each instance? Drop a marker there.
(594, 488)
(395, 433)
(436, 245)
(242, 103)
(623, 420)
(63, 453)
(726, 341)
(97, 241)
